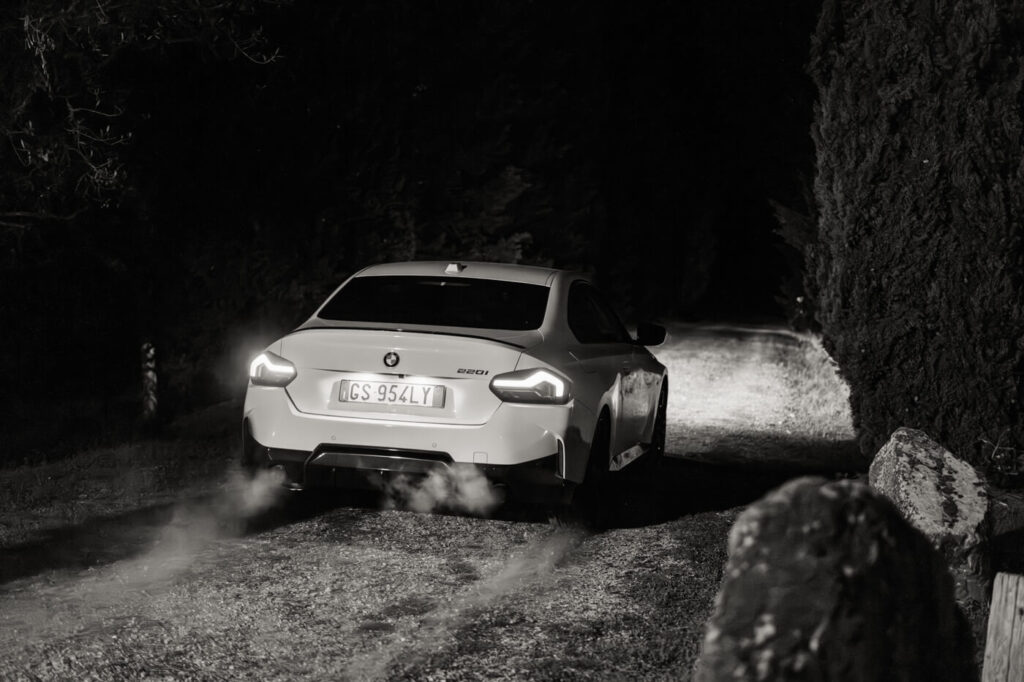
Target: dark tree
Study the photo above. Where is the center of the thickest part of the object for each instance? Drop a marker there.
(77, 233)
(920, 194)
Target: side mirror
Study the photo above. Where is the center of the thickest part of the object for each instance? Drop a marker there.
(649, 334)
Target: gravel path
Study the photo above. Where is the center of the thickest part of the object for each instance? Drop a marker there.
(345, 590)
(762, 398)
(358, 594)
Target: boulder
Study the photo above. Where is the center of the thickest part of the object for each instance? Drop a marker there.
(827, 581)
(946, 499)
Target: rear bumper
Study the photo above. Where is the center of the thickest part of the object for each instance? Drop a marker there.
(371, 468)
(513, 434)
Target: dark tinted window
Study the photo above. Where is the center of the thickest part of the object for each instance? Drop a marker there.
(439, 301)
(591, 319)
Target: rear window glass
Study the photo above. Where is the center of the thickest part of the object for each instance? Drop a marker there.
(440, 302)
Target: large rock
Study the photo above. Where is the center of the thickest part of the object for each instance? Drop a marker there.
(827, 581)
(944, 498)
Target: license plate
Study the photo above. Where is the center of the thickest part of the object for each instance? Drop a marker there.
(391, 393)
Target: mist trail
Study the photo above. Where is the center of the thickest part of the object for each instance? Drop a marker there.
(45, 608)
(530, 568)
(196, 525)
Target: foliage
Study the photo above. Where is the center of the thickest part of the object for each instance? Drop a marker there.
(797, 227)
(920, 194)
(65, 118)
(79, 244)
(1003, 465)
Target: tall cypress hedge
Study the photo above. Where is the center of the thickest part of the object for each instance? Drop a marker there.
(920, 192)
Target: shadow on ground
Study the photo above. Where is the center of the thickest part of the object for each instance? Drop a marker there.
(107, 539)
(646, 493)
(96, 541)
(748, 451)
(665, 489)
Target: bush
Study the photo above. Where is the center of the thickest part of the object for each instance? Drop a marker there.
(798, 229)
(920, 195)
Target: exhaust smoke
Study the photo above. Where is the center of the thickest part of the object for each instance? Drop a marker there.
(460, 488)
(246, 496)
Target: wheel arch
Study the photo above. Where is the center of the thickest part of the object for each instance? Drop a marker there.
(603, 420)
(579, 439)
(652, 417)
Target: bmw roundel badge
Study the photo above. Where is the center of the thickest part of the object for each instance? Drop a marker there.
(391, 359)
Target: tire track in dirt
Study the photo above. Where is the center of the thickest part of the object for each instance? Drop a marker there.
(527, 569)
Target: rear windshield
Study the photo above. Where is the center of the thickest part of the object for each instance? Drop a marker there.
(440, 302)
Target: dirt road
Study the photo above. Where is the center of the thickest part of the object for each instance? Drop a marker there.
(216, 587)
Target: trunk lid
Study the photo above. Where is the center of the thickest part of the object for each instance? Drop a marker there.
(437, 377)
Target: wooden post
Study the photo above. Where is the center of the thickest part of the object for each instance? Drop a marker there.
(1004, 645)
(149, 383)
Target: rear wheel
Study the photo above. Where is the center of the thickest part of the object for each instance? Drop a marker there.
(591, 501)
(657, 448)
(248, 459)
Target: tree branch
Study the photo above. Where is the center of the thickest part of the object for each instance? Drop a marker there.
(34, 215)
(75, 110)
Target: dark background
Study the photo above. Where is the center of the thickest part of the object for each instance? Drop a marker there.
(643, 142)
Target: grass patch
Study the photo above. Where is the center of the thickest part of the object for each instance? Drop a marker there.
(755, 395)
(817, 394)
(105, 481)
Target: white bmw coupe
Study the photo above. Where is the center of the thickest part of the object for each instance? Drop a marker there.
(524, 372)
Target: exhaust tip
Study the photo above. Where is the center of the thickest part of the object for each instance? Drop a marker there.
(286, 481)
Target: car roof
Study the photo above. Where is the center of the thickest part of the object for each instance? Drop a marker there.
(507, 272)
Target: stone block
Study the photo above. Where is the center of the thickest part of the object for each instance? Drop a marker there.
(828, 581)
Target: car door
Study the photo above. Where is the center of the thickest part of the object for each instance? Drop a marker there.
(639, 384)
(604, 354)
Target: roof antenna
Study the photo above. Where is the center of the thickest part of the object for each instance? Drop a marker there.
(454, 268)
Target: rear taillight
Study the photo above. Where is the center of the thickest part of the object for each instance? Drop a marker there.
(269, 369)
(540, 386)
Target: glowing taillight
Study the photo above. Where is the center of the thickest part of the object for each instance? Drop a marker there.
(269, 369)
(532, 386)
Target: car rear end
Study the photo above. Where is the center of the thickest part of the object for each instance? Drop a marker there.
(410, 369)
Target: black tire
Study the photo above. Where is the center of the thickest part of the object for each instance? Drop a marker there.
(248, 458)
(592, 500)
(657, 448)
